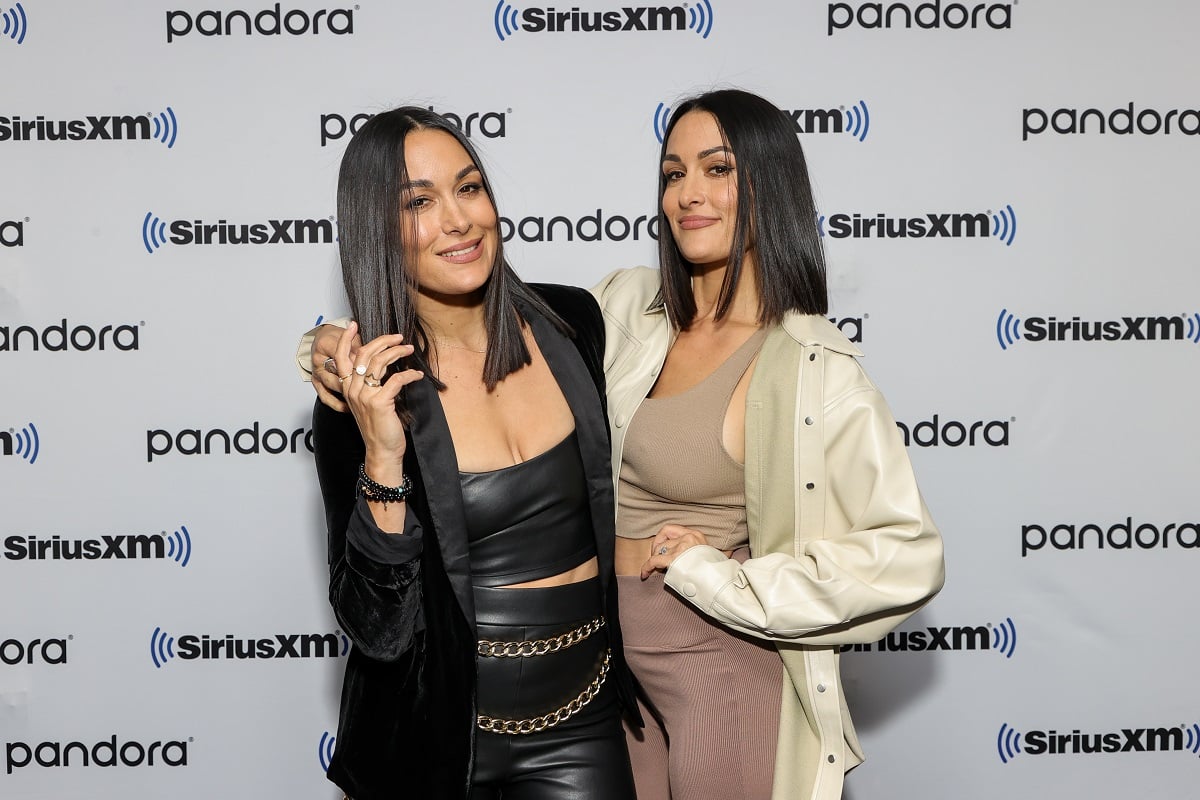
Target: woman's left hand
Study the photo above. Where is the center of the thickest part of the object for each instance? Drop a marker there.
(668, 545)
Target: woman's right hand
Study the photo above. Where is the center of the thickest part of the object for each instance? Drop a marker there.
(373, 403)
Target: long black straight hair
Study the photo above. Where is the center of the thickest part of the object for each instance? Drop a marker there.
(776, 213)
(380, 281)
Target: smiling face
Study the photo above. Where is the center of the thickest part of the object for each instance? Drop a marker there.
(700, 195)
(447, 217)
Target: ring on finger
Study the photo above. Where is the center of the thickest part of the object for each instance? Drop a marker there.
(344, 378)
(372, 381)
(662, 551)
(361, 369)
(330, 366)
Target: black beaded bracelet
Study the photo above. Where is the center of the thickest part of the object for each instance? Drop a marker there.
(374, 492)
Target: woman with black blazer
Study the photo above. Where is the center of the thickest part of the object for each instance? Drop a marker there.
(468, 498)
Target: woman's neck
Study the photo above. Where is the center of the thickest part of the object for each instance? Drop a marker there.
(453, 325)
(707, 281)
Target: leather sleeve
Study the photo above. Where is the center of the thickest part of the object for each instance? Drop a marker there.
(374, 577)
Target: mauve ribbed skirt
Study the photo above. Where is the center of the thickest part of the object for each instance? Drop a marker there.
(714, 699)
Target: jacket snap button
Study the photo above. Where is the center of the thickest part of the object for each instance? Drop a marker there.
(832, 759)
(810, 486)
(820, 687)
(689, 589)
(808, 420)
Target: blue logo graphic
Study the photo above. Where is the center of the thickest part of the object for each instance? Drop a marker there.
(1004, 637)
(325, 750)
(1004, 225)
(1008, 329)
(700, 18)
(1179, 738)
(179, 546)
(166, 127)
(16, 25)
(162, 647)
(858, 121)
(154, 232)
(505, 20)
(1181, 327)
(25, 443)
(661, 116)
(190, 646)
(320, 318)
(1008, 743)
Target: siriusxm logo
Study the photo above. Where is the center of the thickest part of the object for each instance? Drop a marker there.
(855, 120)
(1002, 638)
(105, 753)
(698, 18)
(44, 651)
(247, 441)
(1123, 535)
(66, 337)
(952, 433)
(588, 228)
(1179, 738)
(1121, 121)
(25, 443)
(325, 750)
(194, 647)
(1000, 224)
(12, 232)
(1010, 329)
(176, 547)
(16, 24)
(161, 127)
(488, 124)
(272, 231)
(928, 16)
(273, 21)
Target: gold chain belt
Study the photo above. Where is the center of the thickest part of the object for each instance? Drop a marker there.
(536, 724)
(539, 647)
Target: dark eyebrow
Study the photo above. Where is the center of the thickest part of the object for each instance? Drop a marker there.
(424, 184)
(701, 154)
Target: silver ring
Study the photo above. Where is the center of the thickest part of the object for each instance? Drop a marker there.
(330, 366)
(372, 381)
(662, 551)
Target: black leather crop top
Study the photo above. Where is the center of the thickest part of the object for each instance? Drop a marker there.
(528, 521)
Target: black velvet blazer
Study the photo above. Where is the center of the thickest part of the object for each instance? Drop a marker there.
(407, 721)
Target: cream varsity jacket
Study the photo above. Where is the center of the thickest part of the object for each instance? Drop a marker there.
(842, 546)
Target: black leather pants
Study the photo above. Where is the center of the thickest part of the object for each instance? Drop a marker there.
(583, 757)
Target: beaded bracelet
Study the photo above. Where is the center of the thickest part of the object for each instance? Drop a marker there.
(374, 492)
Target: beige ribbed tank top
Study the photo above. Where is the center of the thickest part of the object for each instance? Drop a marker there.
(674, 467)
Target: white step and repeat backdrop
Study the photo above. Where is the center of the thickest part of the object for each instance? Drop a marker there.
(1007, 196)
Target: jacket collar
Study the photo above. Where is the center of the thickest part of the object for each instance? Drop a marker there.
(814, 330)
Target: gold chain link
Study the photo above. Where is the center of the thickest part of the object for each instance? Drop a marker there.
(539, 647)
(536, 724)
